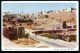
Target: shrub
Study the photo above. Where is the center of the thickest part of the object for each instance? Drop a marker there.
(46, 16)
(22, 21)
(26, 36)
(53, 36)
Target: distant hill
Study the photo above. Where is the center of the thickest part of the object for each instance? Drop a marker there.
(69, 16)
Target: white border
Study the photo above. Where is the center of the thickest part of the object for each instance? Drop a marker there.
(39, 1)
(42, 49)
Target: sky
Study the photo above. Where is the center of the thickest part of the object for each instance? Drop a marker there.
(35, 7)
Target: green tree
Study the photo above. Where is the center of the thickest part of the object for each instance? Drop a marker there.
(46, 16)
(64, 25)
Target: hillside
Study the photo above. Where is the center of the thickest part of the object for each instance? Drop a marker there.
(63, 16)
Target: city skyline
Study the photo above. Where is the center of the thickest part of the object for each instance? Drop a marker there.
(35, 7)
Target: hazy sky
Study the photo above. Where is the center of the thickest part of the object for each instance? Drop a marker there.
(35, 7)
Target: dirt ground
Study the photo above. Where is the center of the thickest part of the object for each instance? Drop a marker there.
(25, 41)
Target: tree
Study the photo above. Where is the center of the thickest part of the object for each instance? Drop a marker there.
(46, 16)
(41, 13)
(24, 17)
(64, 25)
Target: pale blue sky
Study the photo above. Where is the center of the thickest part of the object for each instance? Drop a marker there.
(35, 7)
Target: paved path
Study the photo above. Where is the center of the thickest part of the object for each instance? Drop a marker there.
(47, 42)
(42, 40)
